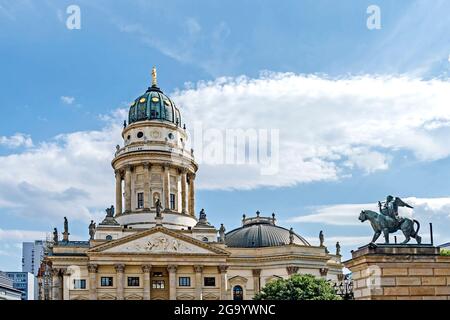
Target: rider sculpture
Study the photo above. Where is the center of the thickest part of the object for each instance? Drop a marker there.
(388, 221)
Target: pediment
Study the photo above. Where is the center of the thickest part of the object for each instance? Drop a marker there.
(238, 279)
(107, 297)
(157, 240)
(210, 296)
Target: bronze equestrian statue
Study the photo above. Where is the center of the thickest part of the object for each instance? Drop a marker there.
(388, 221)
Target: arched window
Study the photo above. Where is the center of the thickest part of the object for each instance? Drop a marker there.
(109, 237)
(238, 293)
(205, 239)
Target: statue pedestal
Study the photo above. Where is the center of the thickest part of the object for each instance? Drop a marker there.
(399, 272)
(158, 221)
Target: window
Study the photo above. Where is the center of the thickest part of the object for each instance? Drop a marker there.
(184, 281)
(79, 283)
(106, 281)
(109, 237)
(157, 274)
(158, 284)
(140, 200)
(133, 281)
(140, 134)
(238, 293)
(209, 281)
(172, 201)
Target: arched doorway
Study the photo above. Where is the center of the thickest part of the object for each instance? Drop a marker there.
(238, 293)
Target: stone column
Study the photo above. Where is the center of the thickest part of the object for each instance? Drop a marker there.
(198, 281)
(128, 189)
(118, 192)
(92, 268)
(172, 282)
(191, 195)
(147, 202)
(166, 190)
(147, 269)
(56, 284)
(256, 280)
(183, 191)
(223, 282)
(120, 268)
(66, 284)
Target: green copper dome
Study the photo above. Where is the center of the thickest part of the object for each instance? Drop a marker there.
(154, 105)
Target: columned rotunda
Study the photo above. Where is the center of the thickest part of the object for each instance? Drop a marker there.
(152, 244)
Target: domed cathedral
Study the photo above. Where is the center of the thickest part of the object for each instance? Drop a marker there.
(151, 244)
(153, 169)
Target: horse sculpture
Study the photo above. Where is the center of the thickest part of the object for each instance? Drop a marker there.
(382, 223)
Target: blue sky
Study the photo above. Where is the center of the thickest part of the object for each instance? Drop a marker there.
(63, 93)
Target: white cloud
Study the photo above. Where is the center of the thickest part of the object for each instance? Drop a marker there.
(70, 175)
(67, 99)
(22, 235)
(327, 126)
(17, 140)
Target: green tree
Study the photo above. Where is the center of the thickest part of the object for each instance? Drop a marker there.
(298, 287)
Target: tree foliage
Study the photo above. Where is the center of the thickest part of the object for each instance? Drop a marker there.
(298, 287)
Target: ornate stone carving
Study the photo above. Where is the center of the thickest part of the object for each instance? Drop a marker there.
(223, 268)
(158, 243)
(256, 272)
(172, 268)
(338, 249)
(146, 268)
(323, 271)
(92, 268)
(92, 230)
(222, 233)
(340, 277)
(321, 238)
(119, 267)
(55, 236)
(291, 236)
(292, 270)
(198, 268)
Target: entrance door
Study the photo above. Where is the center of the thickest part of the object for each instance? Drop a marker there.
(159, 284)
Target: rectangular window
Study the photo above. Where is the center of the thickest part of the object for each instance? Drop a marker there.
(184, 281)
(79, 283)
(133, 281)
(172, 201)
(209, 281)
(140, 200)
(106, 281)
(158, 284)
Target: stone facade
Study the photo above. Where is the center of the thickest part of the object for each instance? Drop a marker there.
(400, 272)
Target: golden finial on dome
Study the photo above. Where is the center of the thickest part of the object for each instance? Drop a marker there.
(154, 82)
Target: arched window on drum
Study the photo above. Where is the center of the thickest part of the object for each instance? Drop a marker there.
(238, 293)
(132, 113)
(141, 109)
(177, 117)
(169, 110)
(155, 107)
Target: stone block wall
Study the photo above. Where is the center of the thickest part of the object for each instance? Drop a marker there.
(399, 272)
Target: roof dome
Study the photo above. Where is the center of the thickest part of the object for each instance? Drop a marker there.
(259, 232)
(154, 105)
